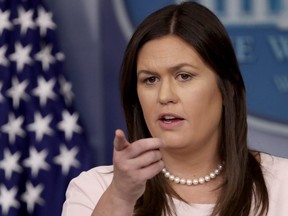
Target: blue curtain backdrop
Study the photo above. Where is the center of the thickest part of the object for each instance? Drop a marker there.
(94, 34)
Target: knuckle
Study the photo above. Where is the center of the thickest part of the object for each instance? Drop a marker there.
(154, 156)
(131, 150)
(141, 146)
(158, 155)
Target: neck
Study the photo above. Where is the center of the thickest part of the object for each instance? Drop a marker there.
(190, 165)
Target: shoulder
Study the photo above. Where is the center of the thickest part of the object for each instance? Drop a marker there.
(276, 177)
(274, 165)
(85, 190)
(275, 173)
(101, 176)
(96, 172)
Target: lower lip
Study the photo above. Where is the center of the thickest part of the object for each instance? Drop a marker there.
(166, 125)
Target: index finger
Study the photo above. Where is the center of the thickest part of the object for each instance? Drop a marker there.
(120, 141)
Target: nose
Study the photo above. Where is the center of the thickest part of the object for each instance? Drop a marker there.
(167, 92)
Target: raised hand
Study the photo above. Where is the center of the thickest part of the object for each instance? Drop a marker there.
(134, 163)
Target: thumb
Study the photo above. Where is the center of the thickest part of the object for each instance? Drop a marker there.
(120, 141)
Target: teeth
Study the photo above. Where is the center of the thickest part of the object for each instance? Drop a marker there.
(168, 117)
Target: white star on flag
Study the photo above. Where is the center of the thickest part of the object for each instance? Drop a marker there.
(41, 126)
(69, 124)
(10, 163)
(67, 158)
(45, 57)
(4, 21)
(25, 20)
(13, 127)
(3, 60)
(21, 56)
(36, 161)
(8, 199)
(66, 90)
(32, 196)
(44, 90)
(44, 21)
(17, 91)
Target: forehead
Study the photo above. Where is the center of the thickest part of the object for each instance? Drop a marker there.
(168, 50)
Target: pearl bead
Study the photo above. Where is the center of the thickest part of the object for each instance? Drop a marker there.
(189, 182)
(177, 180)
(212, 175)
(217, 172)
(207, 178)
(182, 181)
(167, 174)
(201, 180)
(195, 181)
(171, 177)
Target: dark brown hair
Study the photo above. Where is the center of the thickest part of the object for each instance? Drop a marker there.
(243, 179)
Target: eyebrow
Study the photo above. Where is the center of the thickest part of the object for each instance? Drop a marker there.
(178, 66)
(171, 69)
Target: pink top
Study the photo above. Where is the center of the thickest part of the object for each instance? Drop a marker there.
(85, 190)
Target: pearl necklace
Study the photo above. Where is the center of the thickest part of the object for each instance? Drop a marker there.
(195, 181)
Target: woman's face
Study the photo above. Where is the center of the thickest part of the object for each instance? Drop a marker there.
(178, 93)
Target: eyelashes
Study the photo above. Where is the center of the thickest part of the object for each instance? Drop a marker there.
(153, 79)
(150, 80)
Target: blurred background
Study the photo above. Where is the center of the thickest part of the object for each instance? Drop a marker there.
(59, 92)
(93, 35)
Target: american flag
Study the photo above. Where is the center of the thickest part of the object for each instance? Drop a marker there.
(42, 144)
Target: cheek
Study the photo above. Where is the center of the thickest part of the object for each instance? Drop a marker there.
(146, 104)
(205, 104)
(214, 107)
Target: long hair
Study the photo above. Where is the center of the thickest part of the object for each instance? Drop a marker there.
(244, 183)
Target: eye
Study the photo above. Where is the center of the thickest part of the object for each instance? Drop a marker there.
(184, 76)
(150, 80)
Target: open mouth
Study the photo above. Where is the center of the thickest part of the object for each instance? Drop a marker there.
(170, 119)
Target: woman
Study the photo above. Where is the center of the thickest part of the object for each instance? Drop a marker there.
(186, 152)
